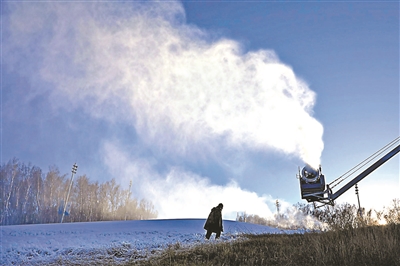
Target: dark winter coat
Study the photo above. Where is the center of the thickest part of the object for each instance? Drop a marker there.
(214, 221)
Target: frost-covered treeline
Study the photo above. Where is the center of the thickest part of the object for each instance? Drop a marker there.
(28, 196)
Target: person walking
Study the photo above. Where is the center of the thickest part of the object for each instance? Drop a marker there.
(214, 222)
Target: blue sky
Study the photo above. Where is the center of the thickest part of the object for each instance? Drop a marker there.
(203, 102)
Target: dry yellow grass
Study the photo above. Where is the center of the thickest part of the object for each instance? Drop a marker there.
(373, 245)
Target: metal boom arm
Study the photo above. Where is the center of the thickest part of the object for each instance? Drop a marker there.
(366, 172)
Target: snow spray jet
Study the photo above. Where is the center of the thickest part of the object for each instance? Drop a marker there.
(182, 91)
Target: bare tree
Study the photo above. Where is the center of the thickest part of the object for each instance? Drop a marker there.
(54, 186)
(392, 214)
(8, 176)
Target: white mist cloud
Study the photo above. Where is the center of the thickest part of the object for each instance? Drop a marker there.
(293, 218)
(181, 194)
(185, 94)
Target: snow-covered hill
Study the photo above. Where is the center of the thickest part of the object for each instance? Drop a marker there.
(116, 241)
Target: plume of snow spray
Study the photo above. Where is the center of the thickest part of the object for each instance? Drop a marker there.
(178, 89)
(183, 92)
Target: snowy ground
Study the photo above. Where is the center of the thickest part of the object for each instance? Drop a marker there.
(114, 242)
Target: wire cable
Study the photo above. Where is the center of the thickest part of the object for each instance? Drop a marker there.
(363, 163)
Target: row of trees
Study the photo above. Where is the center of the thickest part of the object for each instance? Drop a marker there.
(29, 196)
(338, 217)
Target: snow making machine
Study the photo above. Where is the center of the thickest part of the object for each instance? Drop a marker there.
(312, 181)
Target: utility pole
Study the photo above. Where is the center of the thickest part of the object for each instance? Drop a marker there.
(74, 169)
(359, 205)
(278, 205)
